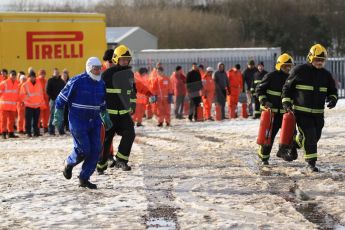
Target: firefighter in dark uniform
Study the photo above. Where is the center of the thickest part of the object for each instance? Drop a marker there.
(305, 92)
(121, 100)
(256, 81)
(269, 94)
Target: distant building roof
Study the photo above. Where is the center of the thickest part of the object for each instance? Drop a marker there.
(117, 34)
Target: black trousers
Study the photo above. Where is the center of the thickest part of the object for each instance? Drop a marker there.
(257, 112)
(179, 102)
(265, 150)
(194, 103)
(31, 120)
(122, 125)
(221, 100)
(309, 134)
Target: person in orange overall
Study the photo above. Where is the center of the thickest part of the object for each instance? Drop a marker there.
(178, 82)
(143, 93)
(20, 106)
(162, 91)
(236, 84)
(31, 93)
(3, 77)
(208, 92)
(8, 104)
(45, 110)
(152, 107)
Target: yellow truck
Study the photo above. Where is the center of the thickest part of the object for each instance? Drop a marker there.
(49, 40)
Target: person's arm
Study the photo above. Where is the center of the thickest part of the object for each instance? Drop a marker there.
(261, 91)
(332, 93)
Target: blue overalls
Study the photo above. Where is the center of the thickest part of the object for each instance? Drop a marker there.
(86, 99)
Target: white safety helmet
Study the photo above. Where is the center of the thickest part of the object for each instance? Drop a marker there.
(90, 63)
(209, 69)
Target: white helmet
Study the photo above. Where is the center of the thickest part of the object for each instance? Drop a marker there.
(90, 63)
(209, 69)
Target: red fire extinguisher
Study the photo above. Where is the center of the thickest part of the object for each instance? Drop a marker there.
(266, 125)
(287, 129)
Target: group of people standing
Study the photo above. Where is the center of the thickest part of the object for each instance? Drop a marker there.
(27, 102)
(194, 93)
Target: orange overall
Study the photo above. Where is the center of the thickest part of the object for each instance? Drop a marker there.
(152, 107)
(8, 104)
(236, 84)
(162, 88)
(143, 92)
(208, 94)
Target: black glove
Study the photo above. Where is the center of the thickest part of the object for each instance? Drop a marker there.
(331, 102)
(265, 103)
(287, 106)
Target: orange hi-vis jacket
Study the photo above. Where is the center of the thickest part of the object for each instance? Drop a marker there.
(152, 79)
(2, 78)
(142, 86)
(208, 86)
(162, 87)
(32, 94)
(236, 80)
(43, 82)
(9, 95)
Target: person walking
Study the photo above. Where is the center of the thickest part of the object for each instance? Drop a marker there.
(305, 92)
(121, 102)
(269, 93)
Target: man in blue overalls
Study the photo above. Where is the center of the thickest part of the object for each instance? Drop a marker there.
(85, 97)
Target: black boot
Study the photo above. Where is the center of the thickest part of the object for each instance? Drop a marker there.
(311, 166)
(264, 162)
(123, 165)
(101, 167)
(45, 130)
(11, 135)
(3, 135)
(67, 171)
(87, 184)
(293, 153)
(285, 153)
(139, 124)
(160, 124)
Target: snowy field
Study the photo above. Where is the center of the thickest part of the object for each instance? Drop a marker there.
(188, 176)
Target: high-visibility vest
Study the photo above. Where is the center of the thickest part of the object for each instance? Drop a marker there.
(32, 94)
(9, 95)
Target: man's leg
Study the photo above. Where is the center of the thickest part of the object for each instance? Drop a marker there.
(126, 130)
(28, 120)
(36, 116)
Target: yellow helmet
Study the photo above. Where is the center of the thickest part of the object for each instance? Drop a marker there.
(317, 51)
(119, 52)
(283, 59)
